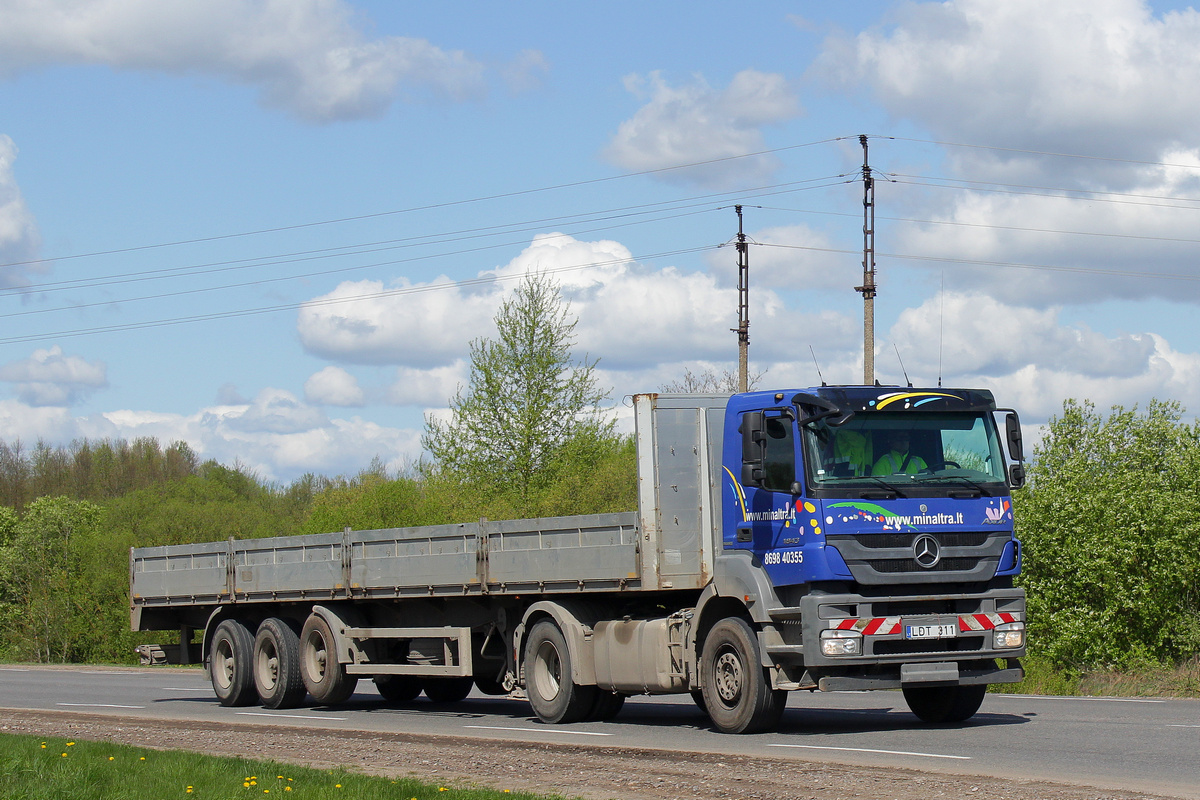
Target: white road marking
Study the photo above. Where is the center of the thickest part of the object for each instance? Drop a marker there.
(185, 689)
(537, 730)
(1091, 699)
(1183, 726)
(285, 716)
(105, 672)
(96, 705)
(869, 750)
(13, 669)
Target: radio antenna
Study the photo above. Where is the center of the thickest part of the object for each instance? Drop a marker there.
(941, 322)
(818, 366)
(902, 369)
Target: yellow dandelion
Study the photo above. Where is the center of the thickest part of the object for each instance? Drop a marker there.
(287, 788)
(112, 758)
(337, 786)
(70, 744)
(64, 755)
(246, 784)
(43, 745)
(143, 758)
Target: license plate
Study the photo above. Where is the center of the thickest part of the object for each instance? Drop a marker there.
(930, 631)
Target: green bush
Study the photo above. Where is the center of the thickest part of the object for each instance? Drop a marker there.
(1109, 522)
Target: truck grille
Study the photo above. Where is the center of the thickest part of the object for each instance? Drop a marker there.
(889, 558)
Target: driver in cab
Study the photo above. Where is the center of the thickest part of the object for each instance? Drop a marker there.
(898, 460)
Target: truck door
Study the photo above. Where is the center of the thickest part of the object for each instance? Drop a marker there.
(767, 505)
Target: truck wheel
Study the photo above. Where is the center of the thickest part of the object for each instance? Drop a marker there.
(554, 696)
(698, 699)
(944, 704)
(398, 688)
(606, 706)
(230, 662)
(277, 664)
(737, 690)
(448, 690)
(489, 686)
(324, 676)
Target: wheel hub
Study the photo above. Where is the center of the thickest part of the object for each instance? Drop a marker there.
(728, 673)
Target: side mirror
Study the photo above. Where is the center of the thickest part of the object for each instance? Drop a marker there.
(1013, 428)
(753, 448)
(1016, 476)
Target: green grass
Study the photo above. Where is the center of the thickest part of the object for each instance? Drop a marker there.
(34, 768)
(1149, 681)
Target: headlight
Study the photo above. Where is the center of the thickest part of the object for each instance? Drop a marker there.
(841, 643)
(1009, 635)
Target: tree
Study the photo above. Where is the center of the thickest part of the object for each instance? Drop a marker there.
(525, 402)
(1109, 523)
(711, 382)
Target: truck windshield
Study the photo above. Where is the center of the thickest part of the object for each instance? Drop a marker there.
(905, 450)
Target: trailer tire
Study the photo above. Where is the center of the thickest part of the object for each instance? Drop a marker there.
(555, 698)
(324, 676)
(448, 690)
(737, 690)
(940, 705)
(277, 664)
(398, 688)
(230, 664)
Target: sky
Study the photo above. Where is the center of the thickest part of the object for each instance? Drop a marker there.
(271, 228)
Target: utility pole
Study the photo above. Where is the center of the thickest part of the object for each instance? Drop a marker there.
(743, 328)
(868, 284)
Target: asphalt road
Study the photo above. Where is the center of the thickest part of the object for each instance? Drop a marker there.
(1142, 745)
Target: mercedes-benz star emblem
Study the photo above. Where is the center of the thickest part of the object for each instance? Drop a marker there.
(927, 552)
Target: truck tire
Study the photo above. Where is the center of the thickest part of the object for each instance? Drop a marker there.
(555, 698)
(606, 706)
(398, 688)
(448, 690)
(277, 664)
(489, 686)
(324, 676)
(944, 704)
(230, 664)
(737, 690)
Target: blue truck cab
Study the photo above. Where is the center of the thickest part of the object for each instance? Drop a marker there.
(882, 519)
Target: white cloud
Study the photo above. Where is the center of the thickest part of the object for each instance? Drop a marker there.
(276, 435)
(309, 57)
(1033, 361)
(19, 238)
(696, 123)
(48, 378)
(1104, 76)
(428, 388)
(333, 386)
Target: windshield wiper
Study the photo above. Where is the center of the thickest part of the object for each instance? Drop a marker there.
(890, 490)
(975, 486)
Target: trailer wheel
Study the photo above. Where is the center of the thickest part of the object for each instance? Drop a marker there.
(554, 696)
(230, 660)
(448, 690)
(944, 704)
(277, 664)
(398, 688)
(324, 676)
(737, 690)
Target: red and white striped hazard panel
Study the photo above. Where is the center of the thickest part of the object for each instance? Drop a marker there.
(871, 626)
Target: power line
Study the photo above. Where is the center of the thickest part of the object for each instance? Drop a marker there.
(407, 290)
(427, 207)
